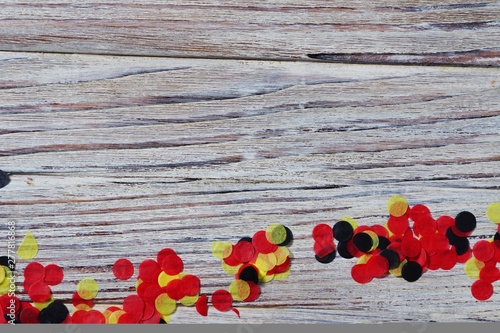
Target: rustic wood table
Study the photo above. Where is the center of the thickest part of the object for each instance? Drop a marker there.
(130, 126)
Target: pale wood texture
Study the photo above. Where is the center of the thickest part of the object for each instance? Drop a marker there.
(120, 156)
(428, 31)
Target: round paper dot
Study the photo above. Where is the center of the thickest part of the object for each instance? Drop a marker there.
(115, 316)
(398, 225)
(189, 300)
(134, 306)
(489, 273)
(323, 249)
(248, 273)
(343, 250)
(164, 304)
(174, 290)
(123, 269)
(39, 292)
(76, 300)
(483, 250)
(482, 290)
(493, 212)
(149, 270)
(254, 292)
(420, 212)
(53, 274)
(243, 251)
(239, 290)
(164, 279)
(392, 258)
(94, 317)
(149, 311)
(410, 246)
(221, 250)
(343, 231)
(397, 205)
(447, 259)
(328, 258)
(34, 271)
(190, 285)
(465, 221)
(378, 265)
(276, 233)
(265, 262)
(411, 271)
(222, 300)
(28, 249)
(55, 313)
(87, 288)
(261, 244)
(289, 237)
(363, 241)
(149, 292)
(472, 268)
(202, 306)
(29, 315)
(361, 274)
(322, 233)
(172, 264)
(282, 254)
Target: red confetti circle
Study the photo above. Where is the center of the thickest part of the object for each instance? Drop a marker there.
(53, 275)
(482, 290)
(123, 269)
(222, 300)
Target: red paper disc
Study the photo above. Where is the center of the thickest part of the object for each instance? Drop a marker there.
(261, 244)
(172, 264)
(190, 285)
(481, 290)
(40, 292)
(149, 270)
(53, 275)
(123, 269)
(483, 250)
(202, 306)
(243, 251)
(222, 300)
(361, 274)
(34, 271)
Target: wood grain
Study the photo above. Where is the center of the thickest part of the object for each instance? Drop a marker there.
(121, 156)
(429, 31)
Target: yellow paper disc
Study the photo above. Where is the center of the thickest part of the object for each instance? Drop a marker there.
(397, 205)
(87, 288)
(164, 279)
(230, 270)
(282, 253)
(276, 233)
(189, 300)
(222, 250)
(493, 212)
(266, 278)
(351, 221)
(28, 249)
(239, 290)
(283, 275)
(3, 273)
(266, 262)
(82, 306)
(115, 316)
(164, 304)
(42, 305)
(472, 267)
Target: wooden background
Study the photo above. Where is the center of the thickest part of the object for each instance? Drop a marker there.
(129, 126)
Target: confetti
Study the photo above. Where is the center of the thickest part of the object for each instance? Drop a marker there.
(123, 269)
(28, 249)
(87, 288)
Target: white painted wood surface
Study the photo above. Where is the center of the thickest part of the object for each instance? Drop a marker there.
(120, 156)
(424, 31)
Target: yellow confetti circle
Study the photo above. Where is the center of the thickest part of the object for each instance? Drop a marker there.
(189, 300)
(397, 205)
(3, 273)
(472, 267)
(115, 316)
(351, 221)
(222, 250)
(239, 290)
(493, 212)
(42, 305)
(283, 275)
(230, 270)
(276, 233)
(164, 279)
(266, 262)
(28, 249)
(282, 253)
(87, 288)
(165, 305)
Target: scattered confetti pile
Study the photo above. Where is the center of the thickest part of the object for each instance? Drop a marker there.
(252, 260)
(161, 285)
(410, 243)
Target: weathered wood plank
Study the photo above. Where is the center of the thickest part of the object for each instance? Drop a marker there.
(430, 32)
(120, 156)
